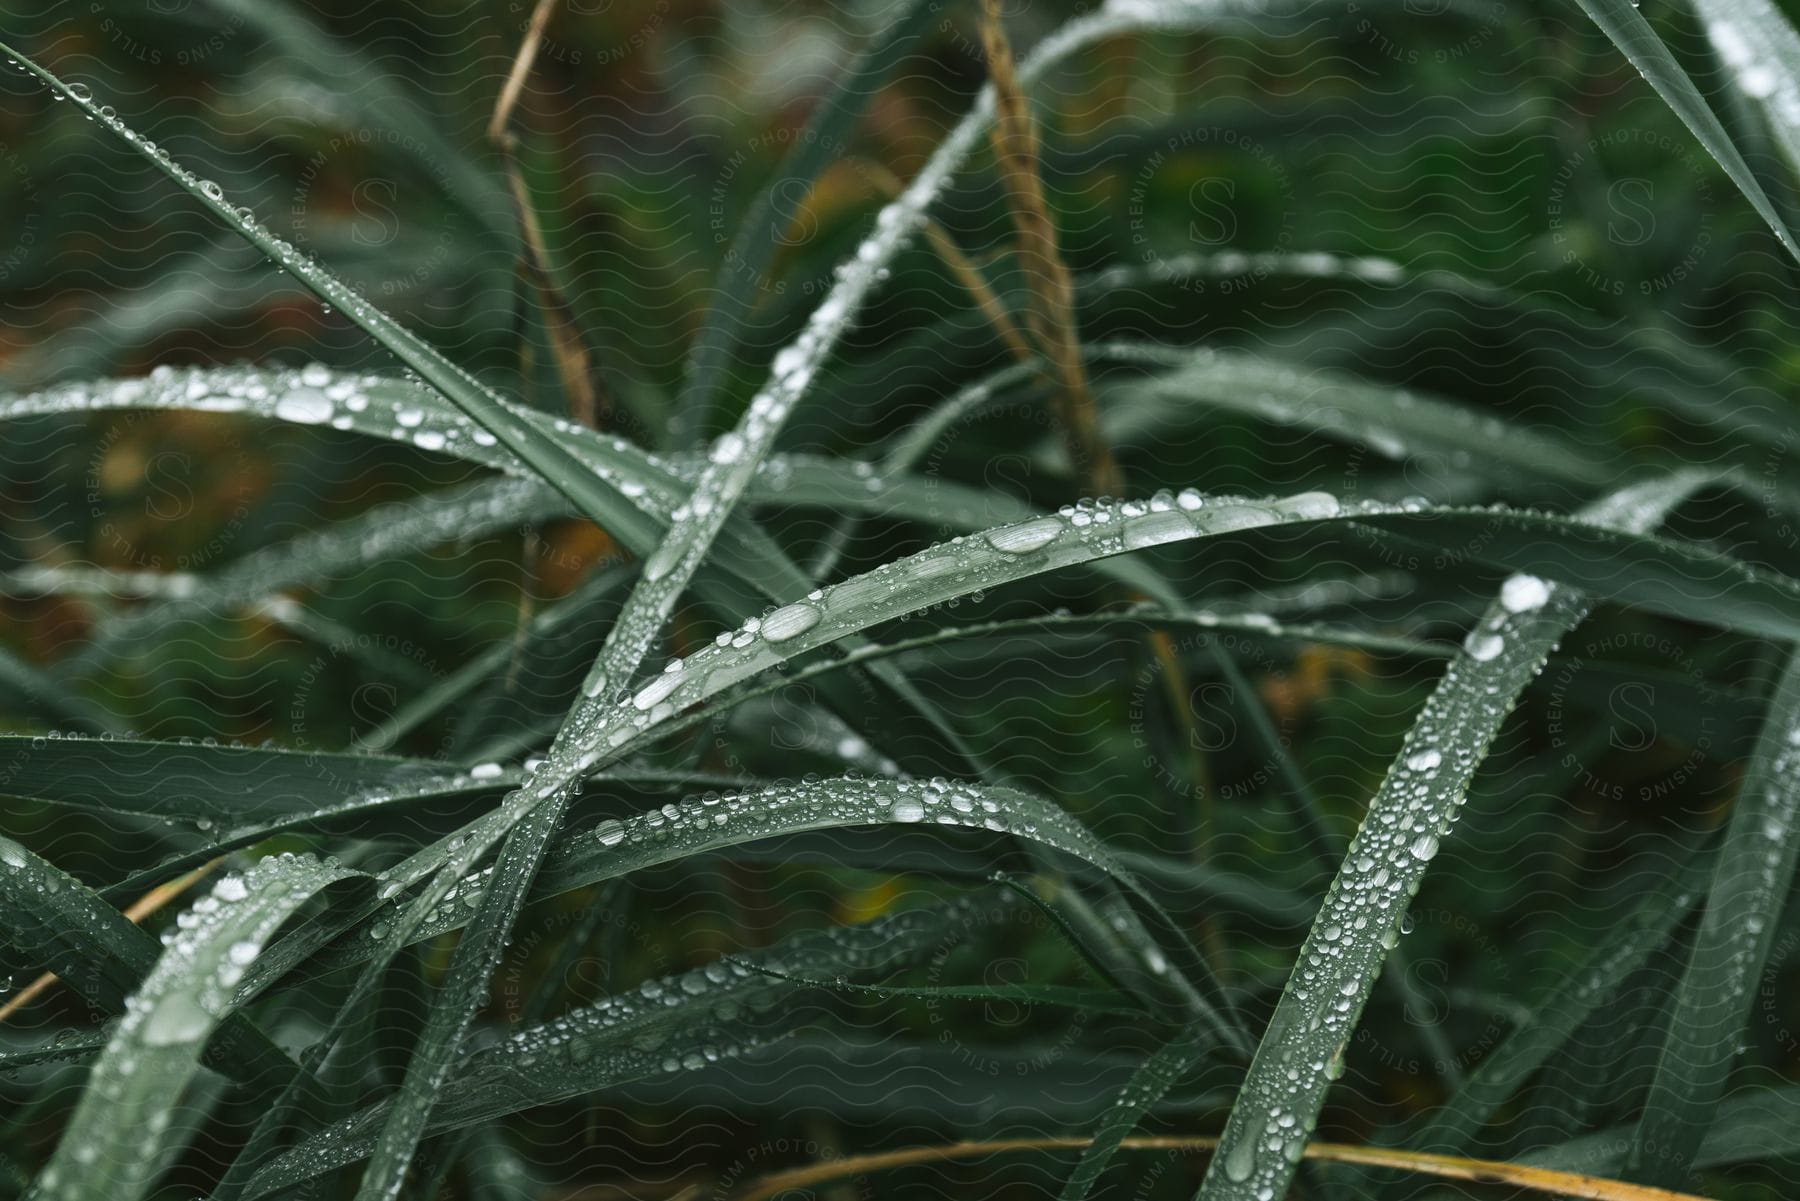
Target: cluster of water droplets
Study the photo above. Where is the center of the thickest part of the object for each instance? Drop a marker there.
(1364, 912)
(1078, 533)
(1179, 268)
(188, 991)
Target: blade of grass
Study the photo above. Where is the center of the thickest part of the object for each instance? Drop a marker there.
(136, 912)
(637, 1033)
(1557, 1017)
(1751, 880)
(112, 1139)
(591, 494)
(752, 250)
(58, 922)
(1397, 422)
(1416, 806)
(1621, 21)
(1762, 50)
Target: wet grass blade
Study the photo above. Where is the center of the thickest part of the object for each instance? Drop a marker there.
(112, 1140)
(62, 926)
(1621, 21)
(1621, 951)
(1416, 806)
(1160, 1071)
(1750, 884)
(746, 268)
(1396, 422)
(669, 1024)
(589, 493)
(1760, 47)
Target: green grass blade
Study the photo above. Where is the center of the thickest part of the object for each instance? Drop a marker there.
(464, 988)
(1156, 1075)
(590, 494)
(1396, 422)
(36, 687)
(1750, 883)
(1668, 577)
(1754, 1125)
(747, 263)
(665, 1025)
(1416, 806)
(1621, 21)
(1620, 951)
(112, 1139)
(61, 925)
(714, 822)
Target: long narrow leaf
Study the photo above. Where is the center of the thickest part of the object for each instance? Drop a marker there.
(1302, 1050)
(1750, 883)
(1631, 33)
(589, 493)
(113, 1138)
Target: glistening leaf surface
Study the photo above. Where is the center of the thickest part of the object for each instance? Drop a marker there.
(1416, 806)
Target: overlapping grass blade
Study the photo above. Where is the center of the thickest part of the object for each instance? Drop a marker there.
(1668, 577)
(752, 251)
(591, 495)
(1750, 885)
(715, 822)
(1621, 21)
(529, 819)
(1302, 1049)
(62, 926)
(116, 1131)
(666, 1025)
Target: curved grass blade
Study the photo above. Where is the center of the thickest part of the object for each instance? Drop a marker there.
(1090, 1000)
(666, 1025)
(1302, 1050)
(714, 822)
(1397, 422)
(381, 534)
(1751, 879)
(591, 495)
(1655, 573)
(402, 411)
(1615, 956)
(56, 699)
(1754, 1125)
(1621, 21)
(61, 925)
(112, 1139)
(752, 250)
(1155, 1076)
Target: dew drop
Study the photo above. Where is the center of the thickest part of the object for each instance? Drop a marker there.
(304, 406)
(1524, 594)
(1025, 538)
(790, 621)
